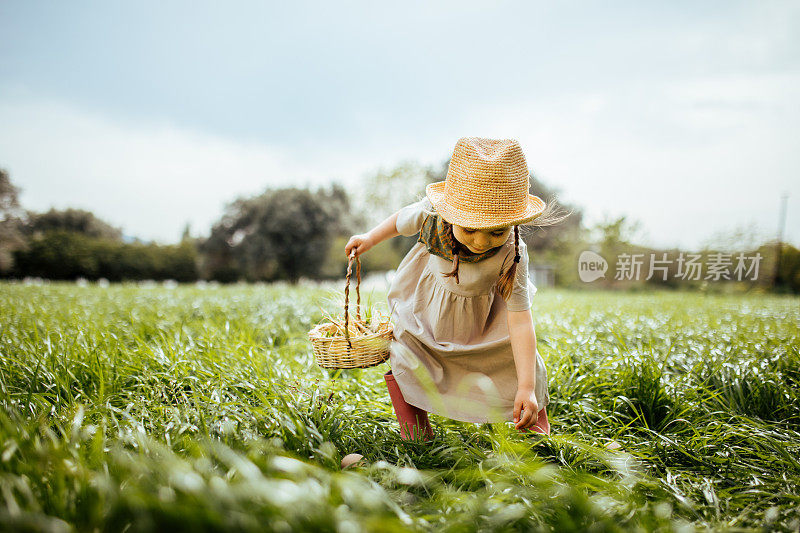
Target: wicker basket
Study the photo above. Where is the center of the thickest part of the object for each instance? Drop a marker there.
(350, 351)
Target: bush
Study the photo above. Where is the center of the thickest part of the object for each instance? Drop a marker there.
(63, 255)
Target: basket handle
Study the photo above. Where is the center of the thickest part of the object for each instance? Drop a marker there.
(347, 292)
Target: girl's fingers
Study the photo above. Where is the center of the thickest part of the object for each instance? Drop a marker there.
(354, 243)
(527, 417)
(522, 420)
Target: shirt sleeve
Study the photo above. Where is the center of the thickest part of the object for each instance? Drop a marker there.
(410, 217)
(524, 289)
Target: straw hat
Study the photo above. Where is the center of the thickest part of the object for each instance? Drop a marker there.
(486, 186)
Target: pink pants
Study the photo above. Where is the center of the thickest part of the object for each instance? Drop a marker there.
(414, 423)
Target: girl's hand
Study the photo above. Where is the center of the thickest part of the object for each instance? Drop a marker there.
(359, 243)
(526, 402)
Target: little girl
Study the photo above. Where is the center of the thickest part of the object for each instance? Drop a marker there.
(465, 345)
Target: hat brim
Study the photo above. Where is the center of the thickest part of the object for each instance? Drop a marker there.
(435, 192)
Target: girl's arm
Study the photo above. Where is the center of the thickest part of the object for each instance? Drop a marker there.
(523, 345)
(363, 242)
(385, 230)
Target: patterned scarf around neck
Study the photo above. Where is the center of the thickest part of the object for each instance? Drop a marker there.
(437, 237)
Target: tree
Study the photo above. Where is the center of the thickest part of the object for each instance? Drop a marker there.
(57, 254)
(613, 238)
(389, 189)
(61, 254)
(9, 194)
(11, 236)
(744, 236)
(71, 220)
(618, 232)
(281, 234)
(186, 235)
(560, 236)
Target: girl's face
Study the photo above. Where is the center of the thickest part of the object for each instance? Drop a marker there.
(480, 240)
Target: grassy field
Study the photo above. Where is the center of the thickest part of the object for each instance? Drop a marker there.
(201, 409)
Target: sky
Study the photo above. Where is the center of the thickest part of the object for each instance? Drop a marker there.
(681, 116)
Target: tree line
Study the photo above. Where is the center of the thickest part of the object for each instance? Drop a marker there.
(282, 234)
(289, 233)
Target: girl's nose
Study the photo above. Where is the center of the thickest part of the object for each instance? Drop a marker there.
(481, 241)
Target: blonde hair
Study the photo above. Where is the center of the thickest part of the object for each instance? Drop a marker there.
(553, 214)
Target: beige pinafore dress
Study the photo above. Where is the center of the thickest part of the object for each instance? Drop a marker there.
(452, 354)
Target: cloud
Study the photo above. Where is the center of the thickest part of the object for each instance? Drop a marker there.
(152, 178)
(689, 159)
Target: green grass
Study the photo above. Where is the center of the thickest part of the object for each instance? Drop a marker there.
(201, 409)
